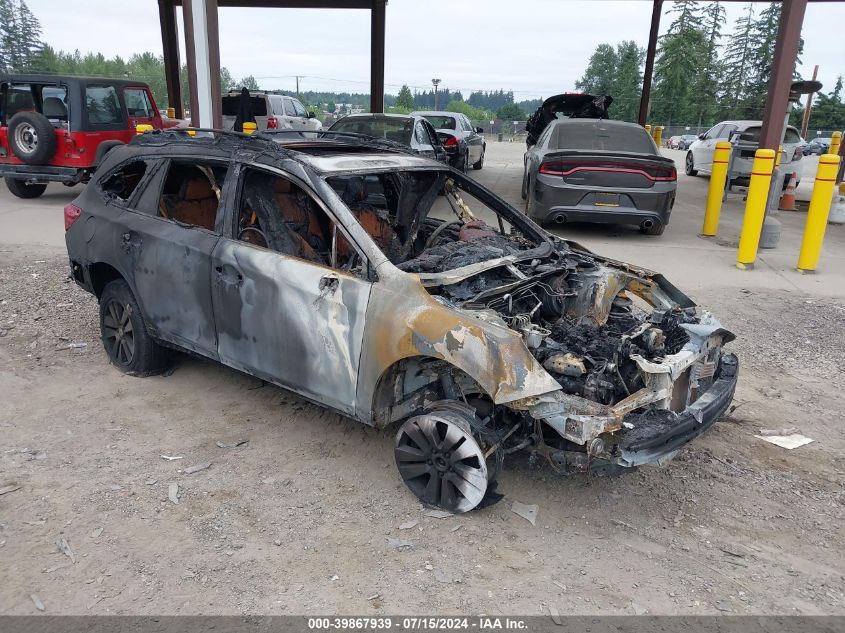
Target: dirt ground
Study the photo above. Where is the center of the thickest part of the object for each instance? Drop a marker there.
(300, 518)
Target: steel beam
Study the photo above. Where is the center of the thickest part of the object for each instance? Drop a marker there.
(783, 67)
(203, 61)
(170, 49)
(648, 73)
(377, 34)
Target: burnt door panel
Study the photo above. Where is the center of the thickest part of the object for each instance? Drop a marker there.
(170, 267)
(289, 321)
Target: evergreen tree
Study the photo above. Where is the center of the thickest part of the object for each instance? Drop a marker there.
(828, 111)
(405, 98)
(628, 79)
(20, 36)
(709, 78)
(600, 75)
(737, 61)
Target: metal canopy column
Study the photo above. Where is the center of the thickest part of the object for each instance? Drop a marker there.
(783, 67)
(203, 53)
(656, 10)
(377, 20)
(170, 49)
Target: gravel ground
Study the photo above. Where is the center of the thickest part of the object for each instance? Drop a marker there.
(304, 516)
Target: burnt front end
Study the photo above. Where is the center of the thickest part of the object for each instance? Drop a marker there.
(640, 372)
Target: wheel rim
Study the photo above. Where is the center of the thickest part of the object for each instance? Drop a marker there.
(118, 333)
(26, 138)
(441, 463)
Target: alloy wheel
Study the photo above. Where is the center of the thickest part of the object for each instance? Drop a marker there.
(118, 333)
(441, 462)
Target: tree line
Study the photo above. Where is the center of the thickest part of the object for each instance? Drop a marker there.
(702, 74)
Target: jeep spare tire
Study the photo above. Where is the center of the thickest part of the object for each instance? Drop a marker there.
(32, 138)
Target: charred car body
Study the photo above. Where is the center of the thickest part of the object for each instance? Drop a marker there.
(326, 266)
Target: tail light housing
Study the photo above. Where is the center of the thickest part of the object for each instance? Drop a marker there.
(798, 154)
(657, 173)
(72, 213)
(450, 142)
(272, 123)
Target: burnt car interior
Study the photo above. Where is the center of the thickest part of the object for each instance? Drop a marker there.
(191, 193)
(121, 184)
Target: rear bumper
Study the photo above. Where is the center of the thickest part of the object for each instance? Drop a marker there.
(552, 202)
(43, 173)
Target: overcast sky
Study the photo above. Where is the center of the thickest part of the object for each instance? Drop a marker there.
(533, 47)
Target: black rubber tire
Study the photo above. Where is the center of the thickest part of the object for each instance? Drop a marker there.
(657, 229)
(20, 189)
(525, 186)
(147, 357)
(46, 144)
(689, 165)
(465, 162)
(480, 163)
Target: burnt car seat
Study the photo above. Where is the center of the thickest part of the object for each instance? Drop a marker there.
(376, 222)
(195, 204)
(295, 209)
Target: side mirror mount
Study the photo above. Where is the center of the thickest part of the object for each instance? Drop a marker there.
(311, 115)
(701, 136)
(479, 130)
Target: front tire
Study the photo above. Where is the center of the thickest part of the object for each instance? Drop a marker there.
(129, 346)
(21, 189)
(440, 461)
(689, 165)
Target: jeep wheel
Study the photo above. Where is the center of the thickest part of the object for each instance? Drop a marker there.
(21, 189)
(130, 347)
(440, 461)
(32, 138)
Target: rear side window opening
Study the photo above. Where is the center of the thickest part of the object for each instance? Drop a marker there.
(122, 183)
(49, 100)
(597, 135)
(231, 104)
(442, 122)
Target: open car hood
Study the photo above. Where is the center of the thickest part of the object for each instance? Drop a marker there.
(575, 105)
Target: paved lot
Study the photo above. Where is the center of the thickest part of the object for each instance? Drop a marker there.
(299, 519)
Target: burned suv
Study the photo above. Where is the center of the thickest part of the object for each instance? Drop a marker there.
(333, 268)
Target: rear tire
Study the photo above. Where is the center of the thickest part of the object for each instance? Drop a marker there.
(23, 190)
(689, 165)
(129, 346)
(478, 165)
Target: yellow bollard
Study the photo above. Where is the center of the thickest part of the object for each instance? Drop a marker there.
(143, 127)
(755, 208)
(249, 127)
(780, 153)
(171, 113)
(648, 129)
(658, 135)
(835, 140)
(811, 244)
(718, 176)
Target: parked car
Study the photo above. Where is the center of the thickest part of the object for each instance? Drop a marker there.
(322, 269)
(56, 128)
(699, 157)
(686, 140)
(410, 130)
(672, 142)
(819, 145)
(595, 170)
(271, 112)
(574, 105)
(463, 143)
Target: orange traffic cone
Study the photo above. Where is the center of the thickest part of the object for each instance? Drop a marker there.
(787, 200)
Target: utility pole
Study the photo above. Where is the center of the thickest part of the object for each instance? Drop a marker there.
(436, 82)
(805, 123)
(297, 85)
